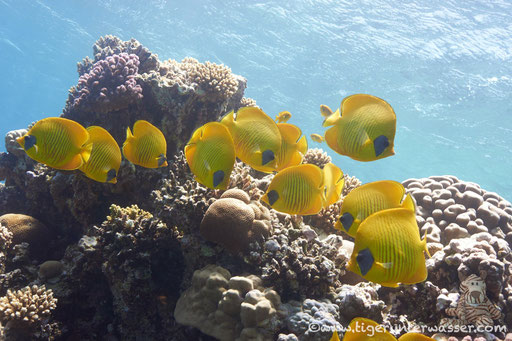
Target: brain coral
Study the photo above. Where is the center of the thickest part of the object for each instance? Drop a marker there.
(27, 229)
(110, 85)
(234, 221)
(229, 307)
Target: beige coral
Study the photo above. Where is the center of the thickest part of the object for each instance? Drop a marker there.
(248, 102)
(229, 308)
(5, 238)
(30, 304)
(316, 156)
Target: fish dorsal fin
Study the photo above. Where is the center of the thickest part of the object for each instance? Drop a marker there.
(251, 114)
(392, 190)
(142, 127)
(335, 336)
(216, 129)
(228, 118)
(333, 176)
(302, 145)
(351, 104)
(408, 203)
(129, 134)
(289, 133)
(332, 119)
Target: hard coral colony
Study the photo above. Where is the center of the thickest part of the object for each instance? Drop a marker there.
(96, 247)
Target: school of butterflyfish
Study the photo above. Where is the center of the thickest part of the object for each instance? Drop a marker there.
(379, 216)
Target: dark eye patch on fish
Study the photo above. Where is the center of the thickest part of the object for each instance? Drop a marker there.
(272, 197)
(346, 220)
(111, 174)
(218, 177)
(267, 156)
(365, 260)
(161, 160)
(30, 141)
(380, 144)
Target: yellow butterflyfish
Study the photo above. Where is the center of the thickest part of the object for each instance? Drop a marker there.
(293, 146)
(105, 160)
(146, 147)
(283, 117)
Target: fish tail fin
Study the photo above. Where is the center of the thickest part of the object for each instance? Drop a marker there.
(424, 245)
(332, 119)
(85, 153)
(408, 203)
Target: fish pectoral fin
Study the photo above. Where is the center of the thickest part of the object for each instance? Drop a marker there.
(389, 284)
(386, 266)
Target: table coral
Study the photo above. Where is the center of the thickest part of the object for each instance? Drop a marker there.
(229, 307)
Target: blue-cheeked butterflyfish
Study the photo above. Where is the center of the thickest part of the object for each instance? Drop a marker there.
(256, 136)
(388, 249)
(334, 181)
(364, 128)
(293, 146)
(368, 199)
(317, 138)
(210, 154)
(105, 160)
(283, 117)
(146, 146)
(57, 142)
(297, 190)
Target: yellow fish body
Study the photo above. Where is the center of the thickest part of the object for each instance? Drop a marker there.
(317, 138)
(105, 160)
(210, 154)
(57, 142)
(293, 146)
(283, 117)
(388, 249)
(363, 329)
(415, 337)
(364, 130)
(333, 182)
(146, 147)
(369, 198)
(296, 190)
(256, 137)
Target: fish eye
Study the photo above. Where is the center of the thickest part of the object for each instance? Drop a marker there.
(272, 197)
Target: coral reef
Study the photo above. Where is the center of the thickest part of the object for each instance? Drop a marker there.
(234, 221)
(316, 156)
(159, 256)
(110, 85)
(229, 307)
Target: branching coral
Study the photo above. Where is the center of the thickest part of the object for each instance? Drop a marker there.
(30, 304)
(248, 102)
(316, 156)
(110, 85)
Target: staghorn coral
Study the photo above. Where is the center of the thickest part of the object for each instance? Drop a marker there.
(30, 304)
(229, 307)
(316, 156)
(110, 85)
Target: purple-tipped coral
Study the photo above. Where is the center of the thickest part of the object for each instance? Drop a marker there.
(110, 85)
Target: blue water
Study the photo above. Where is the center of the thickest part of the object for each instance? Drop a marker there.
(444, 66)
